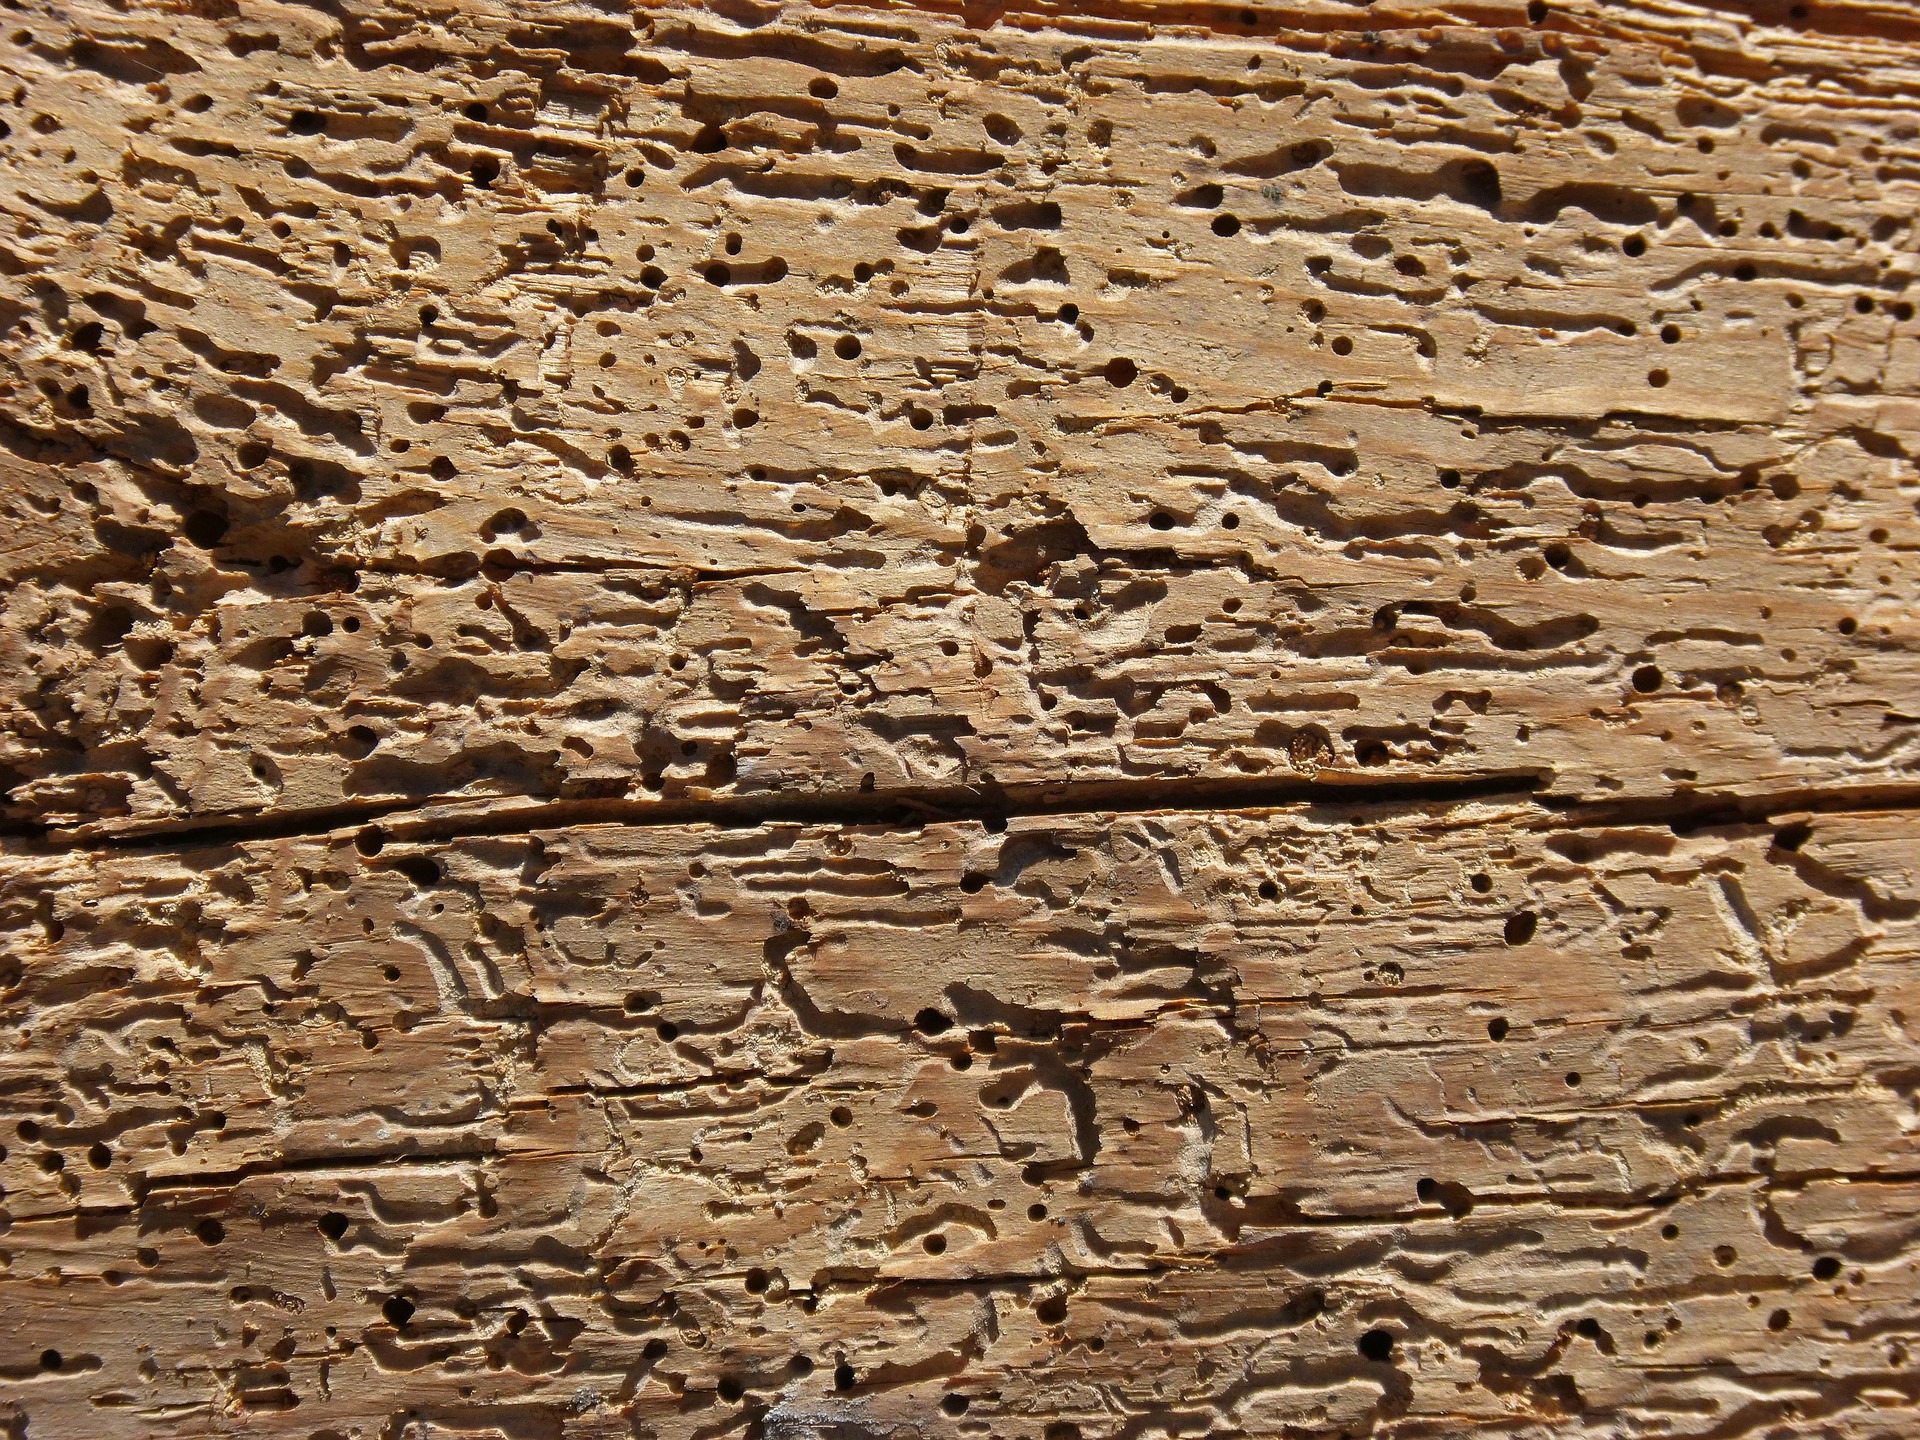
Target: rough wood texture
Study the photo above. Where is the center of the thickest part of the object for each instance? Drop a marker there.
(439, 401)
(1142, 1129)
(1053, 722)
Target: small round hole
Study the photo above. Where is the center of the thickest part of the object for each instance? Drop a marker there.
(204, 529)
(1377, 1346)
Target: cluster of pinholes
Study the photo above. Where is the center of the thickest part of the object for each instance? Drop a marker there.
(653, 292)
(685, 330)
(753, 1068)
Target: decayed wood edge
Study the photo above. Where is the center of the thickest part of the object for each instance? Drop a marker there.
(707, 698)
(1598, 1125)
(1353, 646)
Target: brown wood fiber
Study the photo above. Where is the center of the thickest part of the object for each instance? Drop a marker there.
(1058, 722)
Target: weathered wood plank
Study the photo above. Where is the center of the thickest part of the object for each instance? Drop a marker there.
(1058, 722)
(1078, 401)
(1573, 1113)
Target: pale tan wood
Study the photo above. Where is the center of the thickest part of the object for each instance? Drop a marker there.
(610, 528)
(1038, 721)
(1575, 1114)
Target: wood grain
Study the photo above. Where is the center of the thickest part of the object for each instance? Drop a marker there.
(1115, 1121)
(865, 722)
(712, 404)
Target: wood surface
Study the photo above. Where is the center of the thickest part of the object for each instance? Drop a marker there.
(1046, 721)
